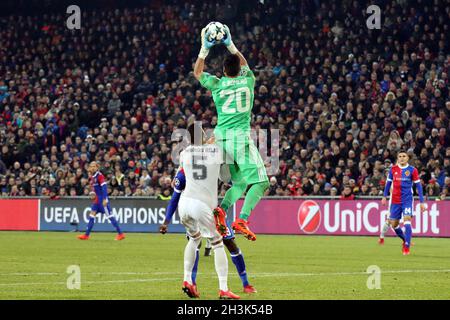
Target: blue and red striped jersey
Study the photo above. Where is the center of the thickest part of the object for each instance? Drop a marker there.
(402, 179)
(99, 186)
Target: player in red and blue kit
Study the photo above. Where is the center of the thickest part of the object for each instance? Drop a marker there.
(101, 204)
(237, 257)
(402, 176)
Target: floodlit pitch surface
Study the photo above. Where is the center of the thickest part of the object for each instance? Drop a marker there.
(33, 265)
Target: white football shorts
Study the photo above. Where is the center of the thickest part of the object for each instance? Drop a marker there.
(197, 216)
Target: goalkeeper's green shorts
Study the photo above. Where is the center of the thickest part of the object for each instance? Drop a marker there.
(244, 160)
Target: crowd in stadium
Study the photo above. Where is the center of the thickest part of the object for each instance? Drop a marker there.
(345, 98)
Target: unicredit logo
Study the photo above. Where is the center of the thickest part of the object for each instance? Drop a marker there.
(365, 217)
(309, 216)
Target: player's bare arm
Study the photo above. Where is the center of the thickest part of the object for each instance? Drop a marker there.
(199, 67)
(242, 59)
(228, 42)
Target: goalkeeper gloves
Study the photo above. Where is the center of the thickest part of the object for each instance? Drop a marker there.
(228, 42)
(206, 44)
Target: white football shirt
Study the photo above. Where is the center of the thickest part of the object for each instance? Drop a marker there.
(201, 165)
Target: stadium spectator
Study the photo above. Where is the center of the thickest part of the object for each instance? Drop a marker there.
(344, 98)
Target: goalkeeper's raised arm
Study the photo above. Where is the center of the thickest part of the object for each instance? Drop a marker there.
(208, 44)
(204, 51)
(228, 42)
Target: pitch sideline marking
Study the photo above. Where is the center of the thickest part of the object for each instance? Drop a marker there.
(256, 275)
(263, 274)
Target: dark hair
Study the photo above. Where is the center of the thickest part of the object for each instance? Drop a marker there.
(232, 65)
(401, 151)
(195, 133)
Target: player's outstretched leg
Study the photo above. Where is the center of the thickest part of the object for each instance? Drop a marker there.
(221, 265)
(253, 196)
(90, 225)
(238, 260)
(385, 229)
(231, 196)
(190, 256)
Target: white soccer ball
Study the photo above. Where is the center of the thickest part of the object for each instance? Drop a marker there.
(216, 31)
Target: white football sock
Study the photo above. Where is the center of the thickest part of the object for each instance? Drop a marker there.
(189, 257)
(221, 264)
(386, 227)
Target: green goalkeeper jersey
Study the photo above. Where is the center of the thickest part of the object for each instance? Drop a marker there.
(233, 98)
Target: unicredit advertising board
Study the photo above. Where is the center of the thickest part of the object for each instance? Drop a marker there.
(345, 217)
(321, 217)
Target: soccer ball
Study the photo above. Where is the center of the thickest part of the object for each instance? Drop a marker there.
(216, 31)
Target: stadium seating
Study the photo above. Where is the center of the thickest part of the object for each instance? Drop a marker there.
(345, 98)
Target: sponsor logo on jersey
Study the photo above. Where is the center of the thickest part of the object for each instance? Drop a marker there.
(402, 179)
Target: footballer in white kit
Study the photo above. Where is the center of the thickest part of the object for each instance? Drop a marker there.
(202, 165)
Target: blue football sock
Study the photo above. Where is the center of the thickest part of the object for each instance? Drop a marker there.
(238, 260)
(115, 224)
(90, 225)
(400, 233)
(408, 233)
(195, 268)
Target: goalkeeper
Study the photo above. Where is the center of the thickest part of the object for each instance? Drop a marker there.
(233, 96)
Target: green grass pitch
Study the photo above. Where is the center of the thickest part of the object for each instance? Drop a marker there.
(33, 265)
